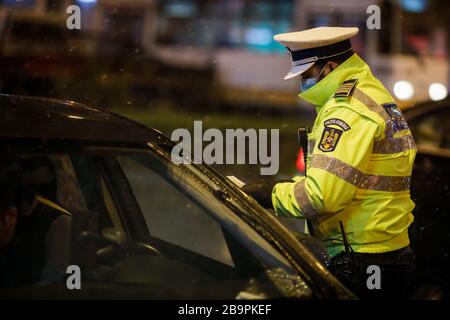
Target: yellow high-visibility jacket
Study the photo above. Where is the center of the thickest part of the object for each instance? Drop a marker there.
(361, 154)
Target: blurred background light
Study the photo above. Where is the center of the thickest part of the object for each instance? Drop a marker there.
(23, 3)
(437, 91)
(259, 36)
(416, 6)
(403, 90)
(181, 9)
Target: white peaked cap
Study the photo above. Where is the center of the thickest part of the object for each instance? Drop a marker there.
(308, 46)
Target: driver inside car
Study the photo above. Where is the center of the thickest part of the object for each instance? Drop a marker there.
(34, 236)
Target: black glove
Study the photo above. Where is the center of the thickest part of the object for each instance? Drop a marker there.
(262, 190)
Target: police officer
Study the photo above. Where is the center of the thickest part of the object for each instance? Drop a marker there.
(356, 191)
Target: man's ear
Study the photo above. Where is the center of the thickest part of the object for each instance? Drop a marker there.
(328, 67)
(332, 65)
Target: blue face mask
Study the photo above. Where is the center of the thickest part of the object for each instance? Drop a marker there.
(308, 83)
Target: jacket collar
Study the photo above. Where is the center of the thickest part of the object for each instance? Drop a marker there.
(353, 67)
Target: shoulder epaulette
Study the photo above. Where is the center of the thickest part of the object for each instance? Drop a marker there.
(345, 89)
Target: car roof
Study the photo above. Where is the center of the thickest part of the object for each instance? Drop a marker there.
(44, 118)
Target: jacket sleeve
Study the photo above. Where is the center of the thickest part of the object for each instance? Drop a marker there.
(341, 153)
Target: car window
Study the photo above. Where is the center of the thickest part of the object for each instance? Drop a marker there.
(431, 130)
(171, 216)
(121, 191)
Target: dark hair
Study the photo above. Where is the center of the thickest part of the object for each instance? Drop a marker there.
(339, 59)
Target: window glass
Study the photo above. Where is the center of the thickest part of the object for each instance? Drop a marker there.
(171, 216)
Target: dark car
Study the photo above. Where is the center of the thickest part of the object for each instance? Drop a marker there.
(143, 227)
(430, 190)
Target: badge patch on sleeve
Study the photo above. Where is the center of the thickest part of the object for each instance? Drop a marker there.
(398, 121)
(334, 128)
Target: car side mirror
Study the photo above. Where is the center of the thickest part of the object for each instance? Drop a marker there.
(297, 227)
